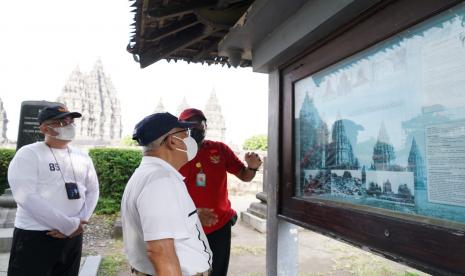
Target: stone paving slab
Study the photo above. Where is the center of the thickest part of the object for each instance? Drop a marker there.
(4, 257)
(6, 238)
(89, 265)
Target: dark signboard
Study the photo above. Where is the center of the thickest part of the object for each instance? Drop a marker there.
(28, 130)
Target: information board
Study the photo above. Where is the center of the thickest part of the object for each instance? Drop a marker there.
(385, 128)
(28, 130)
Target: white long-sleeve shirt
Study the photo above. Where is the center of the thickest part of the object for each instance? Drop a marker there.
(39, 189)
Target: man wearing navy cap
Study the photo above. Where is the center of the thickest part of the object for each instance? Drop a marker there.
(56, 189)
(161, 229)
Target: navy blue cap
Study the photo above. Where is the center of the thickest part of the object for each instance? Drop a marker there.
(54, 112)
(156, 125)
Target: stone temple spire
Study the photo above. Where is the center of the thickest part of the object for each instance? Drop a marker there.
(313, 143)
(215, 121)
(383, 151)
(109, 122)
(73, 93)
(182, 106)
(160, 107)
(340, 152)
(3, 123)
(416, 165)
(95, 97)
(382, 135)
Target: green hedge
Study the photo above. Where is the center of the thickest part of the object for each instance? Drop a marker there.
(5, 157)
(114, 168)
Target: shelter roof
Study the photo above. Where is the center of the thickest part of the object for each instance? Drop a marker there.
(188, 30)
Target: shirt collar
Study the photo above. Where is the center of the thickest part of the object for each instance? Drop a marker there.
(152, 160)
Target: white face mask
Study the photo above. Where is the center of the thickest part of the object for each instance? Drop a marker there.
(191, 147)
(66, 133)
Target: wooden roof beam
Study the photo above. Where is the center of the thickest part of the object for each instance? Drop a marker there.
(175, 43)
(220, 34)
(174, 10)
(157, 34)
(212, 46)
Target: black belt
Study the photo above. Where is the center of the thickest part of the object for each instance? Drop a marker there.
(135, 271)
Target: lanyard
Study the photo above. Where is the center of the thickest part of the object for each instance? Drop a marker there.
(70, 160)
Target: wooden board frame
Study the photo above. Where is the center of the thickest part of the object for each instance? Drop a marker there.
(433, 248)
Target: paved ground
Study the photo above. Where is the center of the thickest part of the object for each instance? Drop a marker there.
(4, 264)
(318, 254)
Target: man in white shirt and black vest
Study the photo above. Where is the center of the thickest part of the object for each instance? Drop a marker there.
(161, 229)
(56, 189)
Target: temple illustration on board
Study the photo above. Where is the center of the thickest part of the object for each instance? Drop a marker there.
(329, 164)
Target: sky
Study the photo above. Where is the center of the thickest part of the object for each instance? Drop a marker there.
(42, 42)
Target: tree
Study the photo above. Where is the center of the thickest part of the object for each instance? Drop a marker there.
(257, 142)
(128, 142)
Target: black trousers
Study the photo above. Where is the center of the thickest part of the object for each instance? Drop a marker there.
(35, 253)
(220, 244)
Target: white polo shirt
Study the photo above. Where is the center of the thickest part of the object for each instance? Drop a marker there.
(37, 180)
(156, 205)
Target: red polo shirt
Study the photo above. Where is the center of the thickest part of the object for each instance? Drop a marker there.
(214, 159)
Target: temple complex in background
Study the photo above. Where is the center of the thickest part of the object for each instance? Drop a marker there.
(94, 96)
(3, 124)
(216, 128)
(160, 107)
(182, 106)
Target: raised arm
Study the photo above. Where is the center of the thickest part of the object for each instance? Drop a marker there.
(253, 164)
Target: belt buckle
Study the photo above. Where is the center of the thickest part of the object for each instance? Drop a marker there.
(135, 271)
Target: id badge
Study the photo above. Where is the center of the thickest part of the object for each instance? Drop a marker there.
(201, 179)
(72, 190)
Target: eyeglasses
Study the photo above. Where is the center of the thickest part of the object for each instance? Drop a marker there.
(187, 130)
(61, 123)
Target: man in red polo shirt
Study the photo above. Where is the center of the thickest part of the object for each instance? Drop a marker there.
(206, 181)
